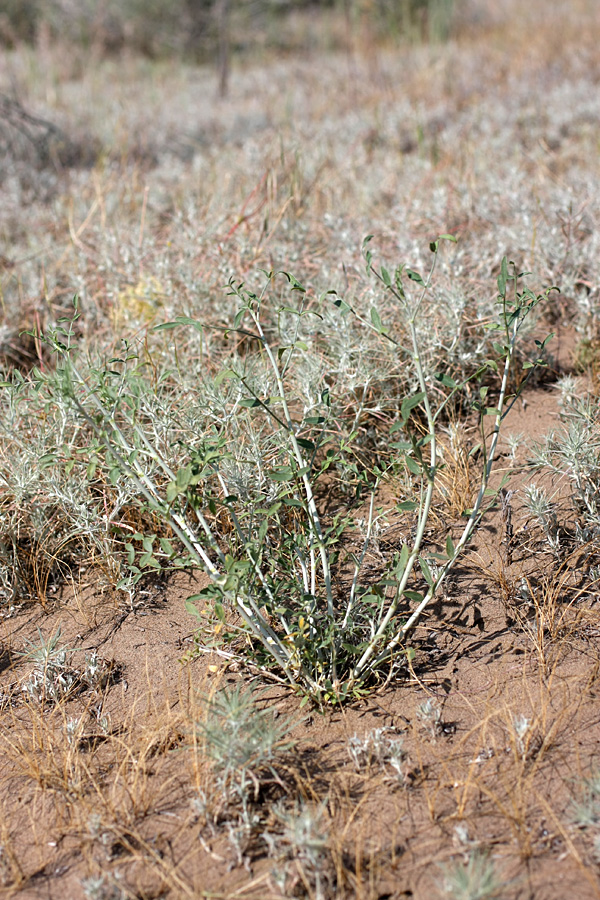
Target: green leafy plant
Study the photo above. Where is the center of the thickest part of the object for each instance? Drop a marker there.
(272, 557)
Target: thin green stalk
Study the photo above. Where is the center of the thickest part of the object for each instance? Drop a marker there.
(361, 559)
(429, 475)
(476, 512)
(423, 517)
(302, 464)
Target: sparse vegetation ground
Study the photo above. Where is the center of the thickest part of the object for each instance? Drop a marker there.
(233, 467)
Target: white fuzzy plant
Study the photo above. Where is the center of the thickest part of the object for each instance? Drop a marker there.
(326, 646)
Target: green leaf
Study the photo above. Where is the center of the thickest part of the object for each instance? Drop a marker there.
(180, 320)
(426, 571)
(492, 411)
(412, 465)
(296, 286)
(413, 595)
(376, 320)
(341, 305)
(398, 281)
(407, 505)
(285, 473)
(400, 566)
(305, 444)
(250, 403)
(166, 546)
(172, 491)
(190, 605)
(450, 549)
(414, 276)
(385, 275)
(503, 277)
(148, 542)
(148, 560)
(219, 611)
(223, 375)
(409, 404)
(445, 379)
(448, 237)
(184, 476)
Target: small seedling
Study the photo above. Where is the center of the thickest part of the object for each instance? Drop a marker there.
(541, 507)
(474, 880)
(429, 717)
(585, 812)
(243, 738)
(100, 887)
(53, 677)
(301, 845)
(381, 746)
(521, 728)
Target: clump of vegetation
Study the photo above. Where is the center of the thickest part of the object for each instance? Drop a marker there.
(272, 582)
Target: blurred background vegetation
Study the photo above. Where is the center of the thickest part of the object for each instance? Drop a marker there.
(201, 29)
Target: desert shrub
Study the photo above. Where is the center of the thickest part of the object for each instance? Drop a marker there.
(244, 506)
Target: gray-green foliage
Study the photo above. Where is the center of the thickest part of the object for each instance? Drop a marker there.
(243, 738)
(382, 746)
(54, 676)
(240, 495)
(585, 810)
(573, 454)
(54, 511)
(300, 845)
(474, 880)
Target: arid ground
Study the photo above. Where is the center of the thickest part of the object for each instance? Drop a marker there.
(148, 747)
